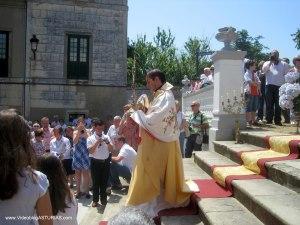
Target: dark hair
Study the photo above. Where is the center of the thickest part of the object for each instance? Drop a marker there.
(249, 63)
(16, 152)
(59, 129)
(59, 191)
(70, 127)
(157, 73)
(98, 122)
(39, 132)
(94, 119)
(121, 138)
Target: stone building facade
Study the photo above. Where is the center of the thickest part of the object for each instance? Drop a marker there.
(80, 64)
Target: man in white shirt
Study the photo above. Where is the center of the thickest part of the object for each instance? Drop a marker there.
(114, 129)
(99, 146)
(122, 164)
(60, 145)
(274, 70)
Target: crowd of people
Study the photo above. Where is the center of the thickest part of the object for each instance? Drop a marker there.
(44, 161)
(51, 159)
(261, 89)
(205, 79)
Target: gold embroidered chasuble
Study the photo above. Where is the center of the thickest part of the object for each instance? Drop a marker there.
(159, 163)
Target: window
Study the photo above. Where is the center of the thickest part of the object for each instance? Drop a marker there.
(4, 39)
(78, 57)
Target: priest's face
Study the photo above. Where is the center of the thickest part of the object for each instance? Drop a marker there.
(153, 84)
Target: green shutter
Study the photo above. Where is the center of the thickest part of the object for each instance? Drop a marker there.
(78, 57)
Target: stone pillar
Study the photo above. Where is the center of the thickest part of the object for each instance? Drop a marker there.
(228, 82)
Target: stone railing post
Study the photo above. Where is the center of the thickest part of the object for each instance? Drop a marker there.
(228, 82)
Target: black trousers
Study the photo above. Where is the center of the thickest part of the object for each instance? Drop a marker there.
(286, 115)
(100, 174)
(272, 101)
(260, 112)
(191, 145)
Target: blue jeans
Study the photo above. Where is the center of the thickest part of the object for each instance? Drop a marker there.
(252, 103)
(117, 170)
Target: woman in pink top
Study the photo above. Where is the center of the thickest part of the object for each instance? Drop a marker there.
(48, 133)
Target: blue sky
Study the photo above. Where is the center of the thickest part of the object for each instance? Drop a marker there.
(275, 20)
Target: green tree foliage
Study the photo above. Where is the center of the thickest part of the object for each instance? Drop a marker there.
(296, 39)
(194, 59)
(162, 54)
(255, 49)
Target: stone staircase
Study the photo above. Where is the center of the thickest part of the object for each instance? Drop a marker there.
(272, 201)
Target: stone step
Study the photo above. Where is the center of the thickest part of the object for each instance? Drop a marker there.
(230, 149)
(267, 200)
(206, 159)
(181, 220)
(223, 211)
(286, 173)
(216, 211)
(256, 136)
(116, 201)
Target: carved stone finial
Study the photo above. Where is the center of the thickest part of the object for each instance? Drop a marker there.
(227, 35)
(185, 83)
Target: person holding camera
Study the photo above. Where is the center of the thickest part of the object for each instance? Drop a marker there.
(197, 125)
(275, 70)
(81, 161)
(99, 146)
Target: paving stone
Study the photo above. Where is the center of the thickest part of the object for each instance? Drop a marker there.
(181, 220)
(192, 171)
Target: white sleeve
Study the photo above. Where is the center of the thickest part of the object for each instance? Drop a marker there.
(42, 182)
(52, 149)
(123, 153)
(109, 131)
(247, 78)
(89, 142)
(257, 78)
(266, 67)
(68, 146)
(109, 139)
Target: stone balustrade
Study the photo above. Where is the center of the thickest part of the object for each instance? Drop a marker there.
(204, 96)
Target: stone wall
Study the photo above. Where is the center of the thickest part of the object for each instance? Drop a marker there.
(11, 96)
(204, 96)
(104, 21)
(61, 100)
(43, 82)
(13, 20)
